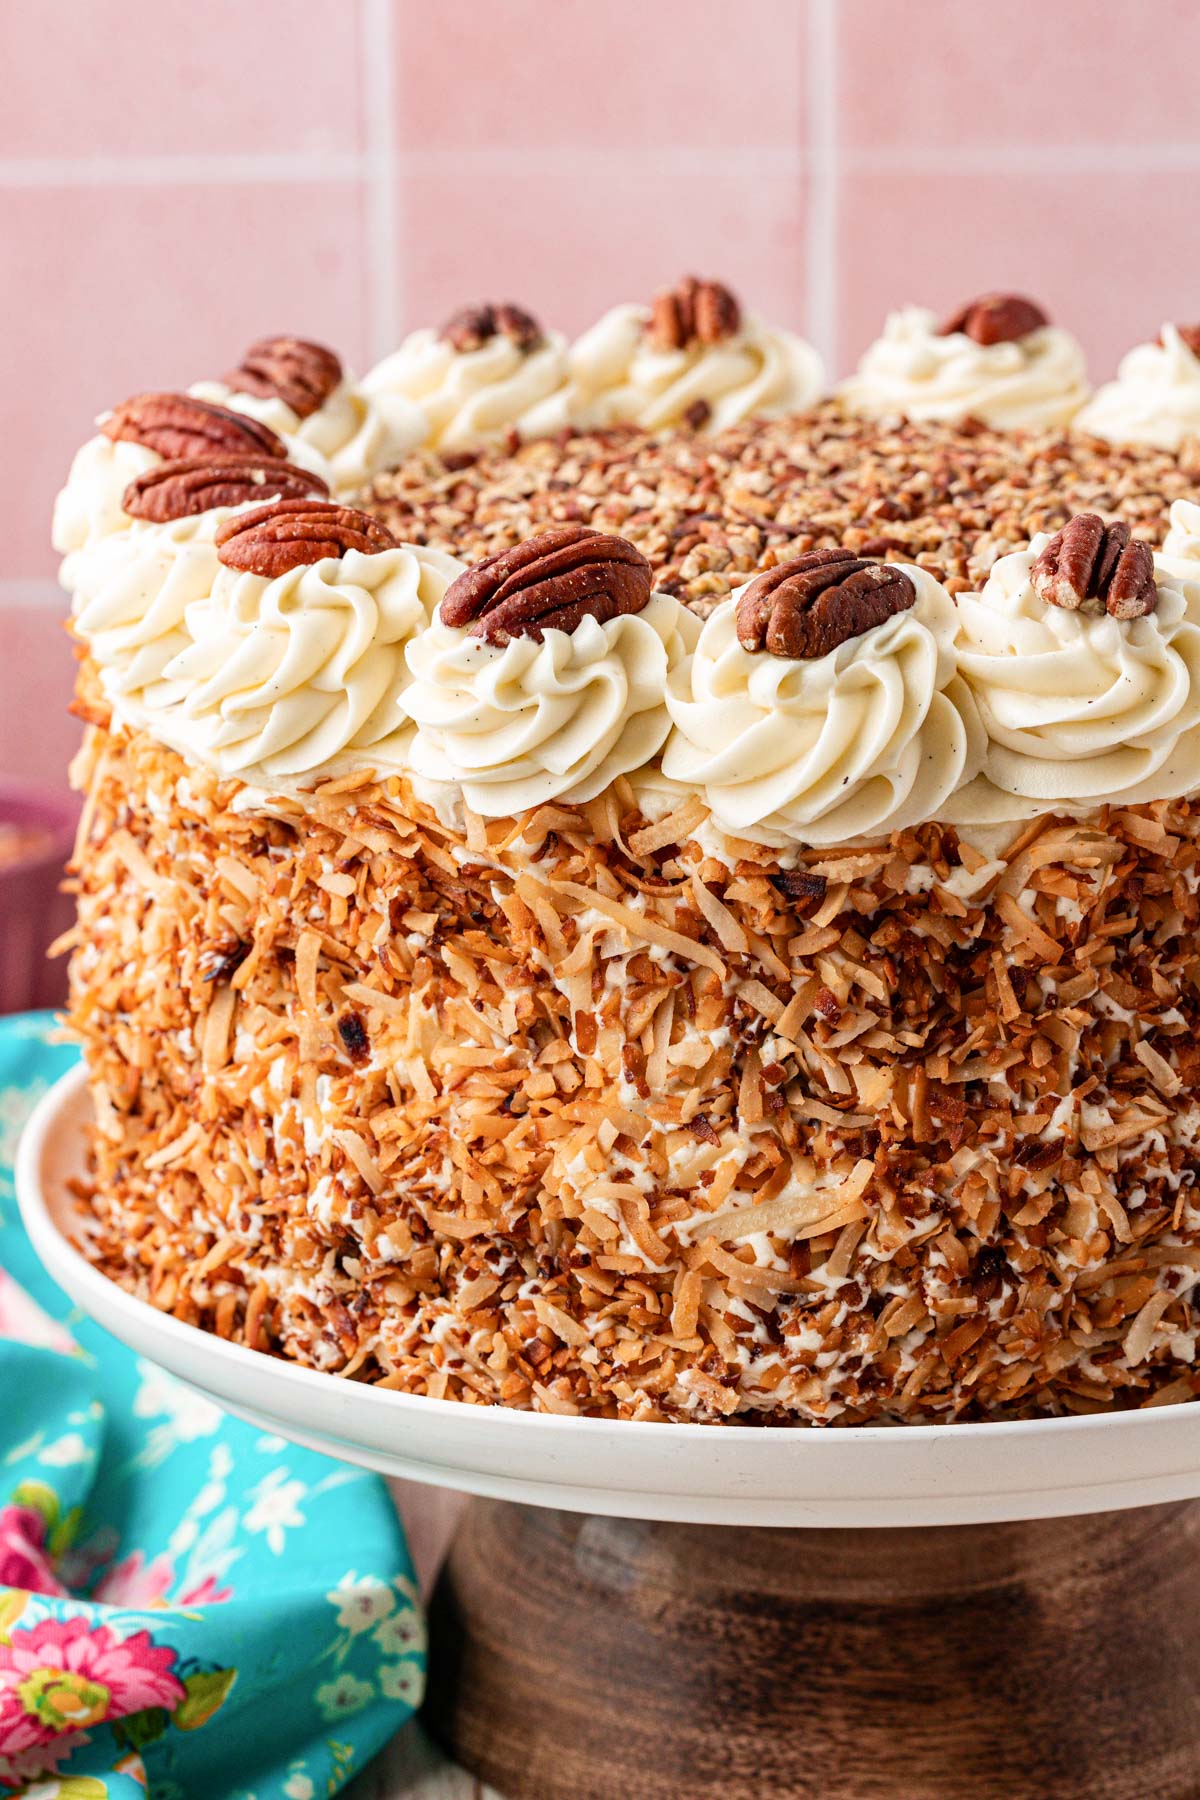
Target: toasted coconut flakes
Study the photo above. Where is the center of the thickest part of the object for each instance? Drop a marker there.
(1161, 1073)
(1039, 941)
(559, 1322)
(787, 1216)
(214, 1050)
(356, 1149)
(1140, 1335)
(729, 932)
(676, 828)
(646, 928)
(1032, 1181)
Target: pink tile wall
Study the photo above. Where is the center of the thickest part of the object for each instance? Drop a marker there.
(174, 181)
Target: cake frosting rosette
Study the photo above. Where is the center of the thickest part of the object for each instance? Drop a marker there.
(491, 369)
(278, 646)
(692, 358)
(998, 359)
(542, 676)
(1155, 398)
(822, 703)
(1085, 667)
(329, 422)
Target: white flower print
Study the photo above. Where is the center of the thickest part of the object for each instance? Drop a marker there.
(402, 1633)
(276, 1508)
(402, 1681)
(299, 1786)
(339, 1699)
(361, 1601)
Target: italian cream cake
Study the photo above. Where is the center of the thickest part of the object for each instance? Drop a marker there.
(687, 923)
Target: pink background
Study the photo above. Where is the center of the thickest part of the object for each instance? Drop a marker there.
(178, 179)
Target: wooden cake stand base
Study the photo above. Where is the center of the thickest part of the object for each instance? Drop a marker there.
(575, 1657)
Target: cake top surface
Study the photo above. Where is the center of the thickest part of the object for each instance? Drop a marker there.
(707, 513)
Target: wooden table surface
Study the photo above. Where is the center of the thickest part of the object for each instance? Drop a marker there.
(411, 1768)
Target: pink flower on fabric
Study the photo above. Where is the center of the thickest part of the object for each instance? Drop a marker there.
(65, 1675)
(141, 1584)
(23, 1559)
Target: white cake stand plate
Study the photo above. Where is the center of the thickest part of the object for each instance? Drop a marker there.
(620, 1614)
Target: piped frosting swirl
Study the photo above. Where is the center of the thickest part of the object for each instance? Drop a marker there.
(918, 371)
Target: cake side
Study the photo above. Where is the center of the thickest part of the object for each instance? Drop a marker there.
(476, 1108)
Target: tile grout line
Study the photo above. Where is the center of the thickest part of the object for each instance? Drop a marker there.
(382, 239)
(178, 171)
(821, 223)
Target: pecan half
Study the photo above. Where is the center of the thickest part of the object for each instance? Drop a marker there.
(475, 326)
(189, 485)
(1091, 567)
(550, 582)
(179, 425)
(273, 539)
(996, 319)
(693, 312)
(1191, 337)
(807, 607)
(291, 369)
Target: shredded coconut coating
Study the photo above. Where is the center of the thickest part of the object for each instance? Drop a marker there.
(564, 1114)
(707, 512)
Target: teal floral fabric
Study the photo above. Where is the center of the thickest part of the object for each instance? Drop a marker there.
(188, 1608)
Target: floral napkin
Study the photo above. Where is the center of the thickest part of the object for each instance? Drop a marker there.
(187, 1606)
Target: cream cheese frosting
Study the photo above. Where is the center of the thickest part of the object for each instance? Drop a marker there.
(518, 724)
(1081, 710)
(131, 590)
(469, 397)
(1180, 554)
(618, 375)
(913, 369)
(872, 737)
(1155, 398)
(351, 437)
(295, 675)
(88, 507)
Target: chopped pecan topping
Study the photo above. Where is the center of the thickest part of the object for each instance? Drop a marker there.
(179, 425)
(475, 326)
(189, 485)
(1091, 567)
(693, 312)
(996, 319)
(273, 539)
(301, 374)
(807, 607)
(550, 582)
(1191, 337)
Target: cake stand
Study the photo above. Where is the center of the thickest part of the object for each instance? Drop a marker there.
(680, 1612)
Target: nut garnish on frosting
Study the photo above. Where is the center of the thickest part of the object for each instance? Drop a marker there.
(180, 425)
(542, 675)
(807, 607)
(996, 319)
(693, 312)
(1093, 568)
(997, 360)
(473, 326)
(549, 582)
(327, 421)
(692, 359)
(1083, 706)
(298, 372)
(864, 739)
(191, 485)
(290, 533)
(490, 370)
